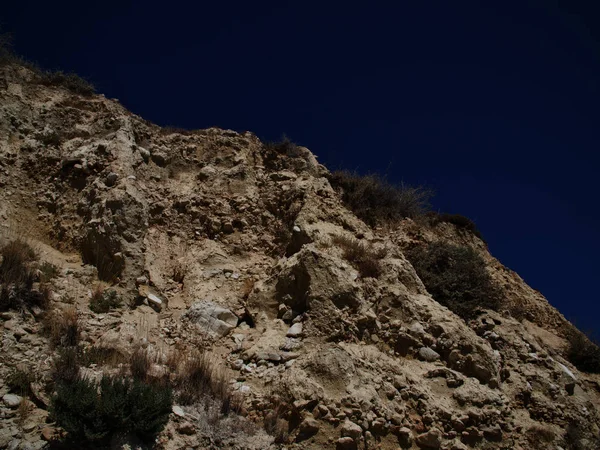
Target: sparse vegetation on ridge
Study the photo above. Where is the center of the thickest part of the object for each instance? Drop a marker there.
(376, 201)
(461, 222)
(69, 81)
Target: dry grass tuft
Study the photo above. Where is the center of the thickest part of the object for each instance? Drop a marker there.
(17, 275)
(62, 327)
(140, 364)
(247, 288)
(364, 257)
(175, 358)
(24, 411)
(179, 272)
(277, 420)
(15, 267)
(199, 376)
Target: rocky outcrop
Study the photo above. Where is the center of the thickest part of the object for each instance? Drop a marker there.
(216, 241)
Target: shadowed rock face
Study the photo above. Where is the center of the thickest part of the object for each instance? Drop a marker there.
(237, 241)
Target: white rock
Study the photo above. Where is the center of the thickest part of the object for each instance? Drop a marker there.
(12, 400)
(295, 330)
(155, 301)
(178, 411)
(566, 370)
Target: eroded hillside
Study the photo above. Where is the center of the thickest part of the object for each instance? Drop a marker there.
(170, 244)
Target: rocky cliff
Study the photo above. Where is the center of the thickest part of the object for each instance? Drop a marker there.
(214, 241)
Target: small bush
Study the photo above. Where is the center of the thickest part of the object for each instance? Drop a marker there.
(48, 271)
(15, 269)
(19, 382)
(363, 257)
(17, 276)
(175, 358)
(376, 201)
(62, 327)
(103, 300)
(283, 147)
(93, 412)
(455, 277)
(461, 222)
(65, 366)
(7, 56)
(583, 352)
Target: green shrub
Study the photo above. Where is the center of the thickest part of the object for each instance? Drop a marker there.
(455, 277)
(376, 201)
(283, 147)
(583, 352)
(363, 257)
(65, 366)
(48, 271)
(103, 300)
(20, 382)
(93, 412)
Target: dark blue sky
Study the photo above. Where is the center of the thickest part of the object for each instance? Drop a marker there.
(496, 107)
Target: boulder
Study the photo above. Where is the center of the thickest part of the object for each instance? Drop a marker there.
(350, 429)
(12, 400)
(405, 437)
(431, 439)
(295, 331)
(428, 354)
(346, 443)
(212, 318)
(308, 427)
